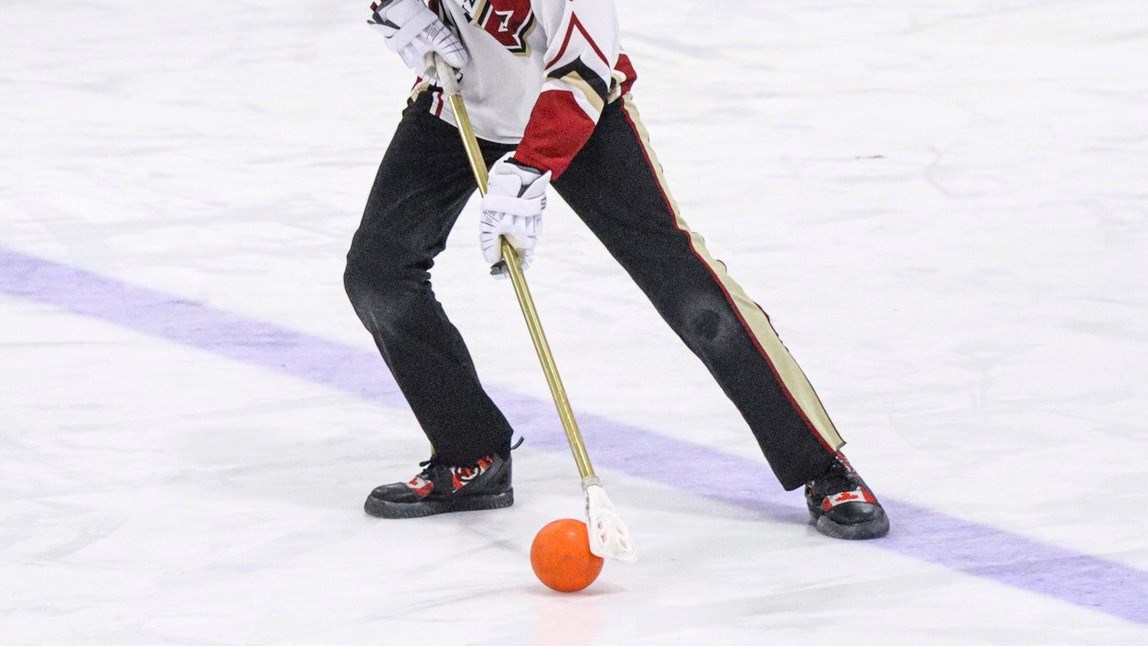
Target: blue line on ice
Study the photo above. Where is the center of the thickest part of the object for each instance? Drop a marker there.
(922, 533)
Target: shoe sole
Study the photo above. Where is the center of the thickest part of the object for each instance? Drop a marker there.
(383, 509)
(875, 528)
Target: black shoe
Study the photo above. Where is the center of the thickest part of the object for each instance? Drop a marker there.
(440, 489)
(843, 506)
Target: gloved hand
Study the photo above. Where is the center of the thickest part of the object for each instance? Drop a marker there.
(515, 198)
(412, 31)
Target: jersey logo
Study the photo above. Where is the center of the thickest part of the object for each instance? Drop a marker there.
(508, 21)
(504, 26)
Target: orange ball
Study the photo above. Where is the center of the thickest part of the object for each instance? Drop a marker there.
(561, 556)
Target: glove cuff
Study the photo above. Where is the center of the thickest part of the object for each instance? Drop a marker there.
(520, 206)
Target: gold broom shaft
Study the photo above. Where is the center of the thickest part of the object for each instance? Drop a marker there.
(525, 301)
(469, 141)
(557, 391)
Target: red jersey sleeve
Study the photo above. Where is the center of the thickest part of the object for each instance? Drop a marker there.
(584, 70)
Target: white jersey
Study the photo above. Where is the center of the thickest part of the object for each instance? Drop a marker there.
(540, 72)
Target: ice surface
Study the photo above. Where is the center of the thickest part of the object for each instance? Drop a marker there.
(942, 205)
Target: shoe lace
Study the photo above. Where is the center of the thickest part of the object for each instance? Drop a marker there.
(431, 465)
(836, 479)
(428, 468)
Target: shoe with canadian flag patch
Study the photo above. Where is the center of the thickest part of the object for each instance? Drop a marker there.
(843, 506)
(440, 488)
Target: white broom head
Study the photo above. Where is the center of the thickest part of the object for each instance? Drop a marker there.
(609, 537)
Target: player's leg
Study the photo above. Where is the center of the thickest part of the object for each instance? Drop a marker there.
(616, 187)
(422, 184)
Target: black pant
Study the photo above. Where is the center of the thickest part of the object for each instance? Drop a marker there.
(614, 185)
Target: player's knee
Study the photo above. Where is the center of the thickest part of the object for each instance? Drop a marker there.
(705, 323)
(374, 263)
(376, 290)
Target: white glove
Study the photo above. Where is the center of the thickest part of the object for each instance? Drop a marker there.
(512, 207)
(412, 31)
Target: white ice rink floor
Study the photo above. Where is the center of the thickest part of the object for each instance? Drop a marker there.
(942, 205)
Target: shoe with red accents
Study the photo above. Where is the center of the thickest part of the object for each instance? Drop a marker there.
(843, 506)
(440, 489)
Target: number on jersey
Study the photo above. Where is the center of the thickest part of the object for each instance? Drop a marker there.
(508, 21)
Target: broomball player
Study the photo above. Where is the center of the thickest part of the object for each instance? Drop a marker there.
(547, 87)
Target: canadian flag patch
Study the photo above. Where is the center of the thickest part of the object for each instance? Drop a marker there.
(421, 486)
(860, 494)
